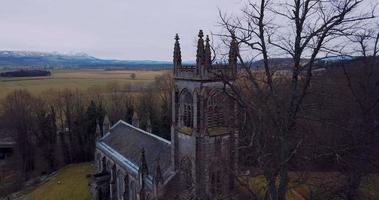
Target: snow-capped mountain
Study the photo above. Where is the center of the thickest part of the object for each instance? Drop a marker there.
(42, 59)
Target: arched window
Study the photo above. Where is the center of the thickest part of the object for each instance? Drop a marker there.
(218, 146)
(176, 106)
(120, 184)
(126, 187)
(198, 111)
(213, 183)
(216, 182)
(133, 193)
(103, 165)
(186, 172)
(98, 162)
(186, 108)
(113, 181)
(215, 112)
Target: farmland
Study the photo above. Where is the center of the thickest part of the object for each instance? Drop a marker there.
(76, 79)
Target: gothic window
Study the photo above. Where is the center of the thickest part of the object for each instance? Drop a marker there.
(187, 119)
(218, 144)
(215, 113)
(186, 109)
(198, 111)
(216, 183)
(126, 187)
(113, 181)
(103, 164)
(113, 174)
(231, 182)
(213, 183)
(109, 166)
(120, 185)
(186, 171)
(133, 193)
(100, 194)
(176, 106)
(98, 162)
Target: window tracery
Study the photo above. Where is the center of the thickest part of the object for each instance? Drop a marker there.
(215, 111)
(176, 106)
(186, 107)
(186, 171)
(126, 187)
(120, 184)
(216, 182)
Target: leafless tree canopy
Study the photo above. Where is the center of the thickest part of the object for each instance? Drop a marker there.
(273, 99)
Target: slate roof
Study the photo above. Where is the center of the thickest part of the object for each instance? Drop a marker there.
(128, 141)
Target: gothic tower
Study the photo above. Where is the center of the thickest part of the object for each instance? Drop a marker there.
(203, 131)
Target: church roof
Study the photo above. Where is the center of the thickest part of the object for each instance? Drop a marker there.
(128, 141)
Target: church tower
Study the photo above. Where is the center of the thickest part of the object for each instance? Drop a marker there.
(204, 126)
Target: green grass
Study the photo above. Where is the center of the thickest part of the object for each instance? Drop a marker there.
(69, 184)
(75, 79)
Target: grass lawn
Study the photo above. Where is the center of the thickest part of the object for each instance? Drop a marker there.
(69, 184)
(72, 79)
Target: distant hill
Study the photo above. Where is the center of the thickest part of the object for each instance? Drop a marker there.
(277, 63)
(22, 59)
(287, 63)
(30, 59)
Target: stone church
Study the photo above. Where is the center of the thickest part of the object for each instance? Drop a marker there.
(200, 161)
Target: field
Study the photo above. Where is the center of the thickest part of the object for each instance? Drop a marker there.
(80, 79)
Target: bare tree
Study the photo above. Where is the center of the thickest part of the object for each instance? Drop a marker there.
(299, 30)
(116, 102)
(357, 155)
(17, 111)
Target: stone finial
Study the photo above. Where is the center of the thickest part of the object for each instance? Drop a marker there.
(98, 131)
(208, 53)
(157, 179)
(201, 34)
(177, 52)
(158, 173)
(148, 125)
(233, 54)
(106, 125)
(142, 172)
(200, 50)
(135, 120)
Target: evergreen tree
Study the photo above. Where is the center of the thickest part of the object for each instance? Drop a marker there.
(92, 117)
(100, 111)
(129, 114)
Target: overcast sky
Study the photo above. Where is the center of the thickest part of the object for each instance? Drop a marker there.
(119, 29)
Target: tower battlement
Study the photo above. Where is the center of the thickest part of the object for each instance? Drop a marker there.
(216, 72)
(204, 69)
